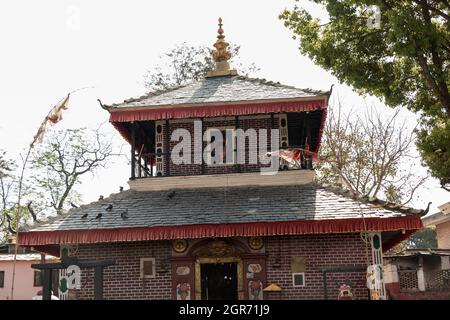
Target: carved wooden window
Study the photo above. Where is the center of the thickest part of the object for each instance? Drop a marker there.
(148, 268)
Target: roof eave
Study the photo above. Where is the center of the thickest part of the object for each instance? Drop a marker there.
(117, 108)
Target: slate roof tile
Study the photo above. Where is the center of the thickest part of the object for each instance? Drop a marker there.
(219, 89)
(219, 205)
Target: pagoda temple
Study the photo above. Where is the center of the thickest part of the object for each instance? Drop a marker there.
(223, 203)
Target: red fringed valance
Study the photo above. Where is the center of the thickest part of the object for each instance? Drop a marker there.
(215, 110)
(118, 117)
(32, 238)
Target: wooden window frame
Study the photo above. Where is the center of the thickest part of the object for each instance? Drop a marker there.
(153, 275)
(293, 279)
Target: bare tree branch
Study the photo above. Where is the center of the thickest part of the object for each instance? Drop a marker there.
(367, 155)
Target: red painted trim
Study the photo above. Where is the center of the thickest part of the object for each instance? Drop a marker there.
(215, 110)
(118, 117)
(219, 230)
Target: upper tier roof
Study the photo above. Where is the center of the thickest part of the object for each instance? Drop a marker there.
(217, 90)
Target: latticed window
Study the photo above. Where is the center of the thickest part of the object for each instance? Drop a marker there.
(408, 280)
(438, 280)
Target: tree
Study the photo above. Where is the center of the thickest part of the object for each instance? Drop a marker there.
(370, 155)
(185, 63)
(423, 239)
(8, 214)
(405, 60)
(60, 163)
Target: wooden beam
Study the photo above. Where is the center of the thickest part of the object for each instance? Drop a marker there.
(47, 286)
(203, 132)
(238, 166)
(167, 148)
(133, 151)
(80, 263)
(308, 137)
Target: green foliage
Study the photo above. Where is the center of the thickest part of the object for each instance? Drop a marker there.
(405, 61)
(434, 146)
(61, 161)
(185, 63)
(15, 221)
(423, 239)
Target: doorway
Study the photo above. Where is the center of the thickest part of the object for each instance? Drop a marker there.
(219, 281)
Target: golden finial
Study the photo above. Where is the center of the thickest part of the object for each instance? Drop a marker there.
(221, 55)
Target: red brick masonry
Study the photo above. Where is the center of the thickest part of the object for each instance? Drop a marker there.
(122, 281)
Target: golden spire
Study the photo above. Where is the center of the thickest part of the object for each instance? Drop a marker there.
(221, 56)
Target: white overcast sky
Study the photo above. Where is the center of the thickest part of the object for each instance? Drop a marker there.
(49, 48)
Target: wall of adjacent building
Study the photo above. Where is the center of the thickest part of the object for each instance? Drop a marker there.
(443, 235)
(23, 282)
(123, 281)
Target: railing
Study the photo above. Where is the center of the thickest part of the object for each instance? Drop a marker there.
(408, 280)
(438, 280)
(148, 165)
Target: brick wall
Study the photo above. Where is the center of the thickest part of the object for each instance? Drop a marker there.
(443, 235)
(319, 251)
(244, 124)
(122, 281)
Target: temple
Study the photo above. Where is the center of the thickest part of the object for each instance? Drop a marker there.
(223, 203)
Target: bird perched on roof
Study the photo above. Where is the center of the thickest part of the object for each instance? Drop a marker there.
(109, 207)
(120, 188)
(100, 198)
(98, 216)
(84, 216)
(124, 214)
(73, 205)
(171, 195)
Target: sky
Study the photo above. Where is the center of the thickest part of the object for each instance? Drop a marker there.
(49, 48)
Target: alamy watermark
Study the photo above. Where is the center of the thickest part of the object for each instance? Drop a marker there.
(226, 146)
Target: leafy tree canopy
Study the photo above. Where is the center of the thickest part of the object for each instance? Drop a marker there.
(186, 63)
(405, 60)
